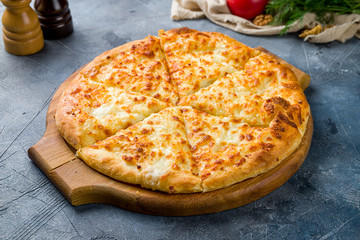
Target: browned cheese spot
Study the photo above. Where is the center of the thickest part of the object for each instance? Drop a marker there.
(241, 137)
(290, 85)
(249, 137)
(107, 132)
(280, 101)
(148, 86)
(93, 72)
(205, 175)
(197, 129)
(219, 161)
(296, 110)
(122, 138)
(286, 120)
(175, 118)
(128, 159)
(202, 34)
(204, 140)
(283, 73)
(269, 107)
(193, 148)
(276, 133)
(77, 90)
(182, 30)
(94, 146)
(253, 148)
(225, 125)
(240, 162)
(149, 54)
(171, 189)
(86, 95)
(266, 146)
(175, 166)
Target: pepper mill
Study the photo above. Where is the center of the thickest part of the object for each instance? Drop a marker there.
(21, 29)
(55, 18)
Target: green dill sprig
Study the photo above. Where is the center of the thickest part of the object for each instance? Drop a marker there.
(289, 11)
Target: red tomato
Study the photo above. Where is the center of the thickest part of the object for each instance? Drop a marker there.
(247, 8)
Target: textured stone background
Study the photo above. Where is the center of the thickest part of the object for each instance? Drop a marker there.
(321, 201)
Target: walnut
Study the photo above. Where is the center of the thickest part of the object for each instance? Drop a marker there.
(328, 26)
(313, 31)
(263, 19)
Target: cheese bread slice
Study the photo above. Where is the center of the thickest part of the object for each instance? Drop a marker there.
(138, 66)
(154, 153)
(196, 59)
(186, 112)
(227, 151)
(89, 111)
(254, 95)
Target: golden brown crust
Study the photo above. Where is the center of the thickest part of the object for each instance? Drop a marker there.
(66, 115)
(241, 112)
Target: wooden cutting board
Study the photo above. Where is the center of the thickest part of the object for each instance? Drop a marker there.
(81, 185)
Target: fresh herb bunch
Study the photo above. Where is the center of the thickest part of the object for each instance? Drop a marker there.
(288, 11)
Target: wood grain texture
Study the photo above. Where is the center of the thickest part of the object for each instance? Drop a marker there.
(82, 185)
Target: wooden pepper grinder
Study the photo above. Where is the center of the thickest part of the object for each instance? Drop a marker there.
(55, 18)
(21, 29)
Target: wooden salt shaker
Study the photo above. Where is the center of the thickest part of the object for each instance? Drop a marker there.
(21, 29)
(55, 18)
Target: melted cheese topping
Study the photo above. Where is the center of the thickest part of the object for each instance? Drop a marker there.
(227, 151)
(136, 67)
(254, 95)
(240, 112)
(98, 111)
(156, 149)
(196, 59)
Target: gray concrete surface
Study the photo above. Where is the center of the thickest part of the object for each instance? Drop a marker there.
(321, 201)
